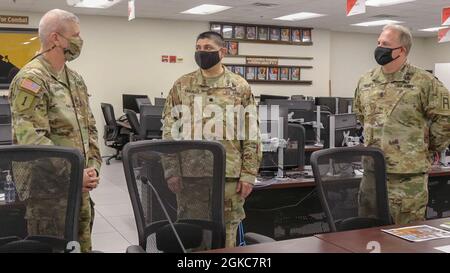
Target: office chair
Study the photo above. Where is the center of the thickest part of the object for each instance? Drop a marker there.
(132, 118)
(352, 187)
(48, 181)
(195, 210)
(115, 135)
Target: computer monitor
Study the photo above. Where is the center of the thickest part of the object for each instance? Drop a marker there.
(151, 121)
(263, 98)
(142, 101)
(344, 104)
(297, 109)
(328, 104)
(129, 101)
(345, 125)
(160, 101)
(294, 154)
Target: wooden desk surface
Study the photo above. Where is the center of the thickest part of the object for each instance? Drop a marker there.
(312, 148)
(307, 182)
(301, 245)
(439, 171)
(356, 240)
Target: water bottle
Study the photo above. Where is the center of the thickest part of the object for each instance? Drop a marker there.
(10, 188)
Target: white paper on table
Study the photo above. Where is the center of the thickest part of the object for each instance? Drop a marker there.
(445, 249)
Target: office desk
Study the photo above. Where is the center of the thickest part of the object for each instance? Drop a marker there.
(302, 245)
(290, 208)
(356, 240)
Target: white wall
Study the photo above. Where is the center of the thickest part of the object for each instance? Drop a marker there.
(352, 55)
(439, 53)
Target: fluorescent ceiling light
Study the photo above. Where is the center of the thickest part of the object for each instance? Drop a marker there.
(206, 9)
(95, 4)
(377, 23)
(34, 38)
(432, 29)
(26, 43)
(299, 16)
(382, 3)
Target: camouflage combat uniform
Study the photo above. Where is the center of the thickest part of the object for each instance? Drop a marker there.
(407, 115)
(52, 109)
(242, 156)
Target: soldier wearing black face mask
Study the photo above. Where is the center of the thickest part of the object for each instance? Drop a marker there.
(405, 112)
(213, 85)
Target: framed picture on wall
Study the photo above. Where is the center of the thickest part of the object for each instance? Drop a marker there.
(250, 73)
(295, 73)
(216, 28)
(285, 35)
(230, 67)
(17, 47)
(239, 70)
(262, 74)
(284, 73)
(274, 34)
(306, 37)
(233, 48)
(296, 36)
(227, 32)
(273, 73)
(251, 33)
(263, 33)
(239, 32)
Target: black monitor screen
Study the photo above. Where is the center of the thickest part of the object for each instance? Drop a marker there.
(327, 104)
(150, 120)
(263, 98)
(344, 104)
(160, 101)
(129, 102)
(297, 109)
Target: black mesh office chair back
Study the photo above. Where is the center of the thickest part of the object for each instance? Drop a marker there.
(194, 204)
(114, 135)
(108, 114)
(352, 187)
(40, 208)
(134, 124)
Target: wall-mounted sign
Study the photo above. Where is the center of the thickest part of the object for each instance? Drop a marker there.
(446, 16)
(11, 19)
(356, 7)
(261, 61)
(444, 35)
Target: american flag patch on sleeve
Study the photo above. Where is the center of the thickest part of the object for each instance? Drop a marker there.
(30, 85)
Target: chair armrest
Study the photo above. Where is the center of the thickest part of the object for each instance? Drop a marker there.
(135, 249)
(255, 238)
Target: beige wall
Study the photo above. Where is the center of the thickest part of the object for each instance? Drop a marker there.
(125, 57)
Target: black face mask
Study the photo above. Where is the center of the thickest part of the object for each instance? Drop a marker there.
(383, 55)
(207, 59)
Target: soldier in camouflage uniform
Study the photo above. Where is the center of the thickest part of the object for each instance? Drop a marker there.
(405, 112)
(50, 106)
(214, 85)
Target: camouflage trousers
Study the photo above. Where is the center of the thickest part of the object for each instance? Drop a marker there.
(407, 196)
(85, 222)
(194, 203)
(47, 217)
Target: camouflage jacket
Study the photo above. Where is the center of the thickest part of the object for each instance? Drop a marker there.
(46, 111)
(191, 91)
(406, 114)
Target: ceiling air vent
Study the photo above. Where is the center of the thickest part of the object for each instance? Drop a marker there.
(265, 5)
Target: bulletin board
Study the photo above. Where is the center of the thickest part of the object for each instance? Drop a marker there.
(17, 47)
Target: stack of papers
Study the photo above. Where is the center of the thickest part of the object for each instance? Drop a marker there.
(418, 233)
